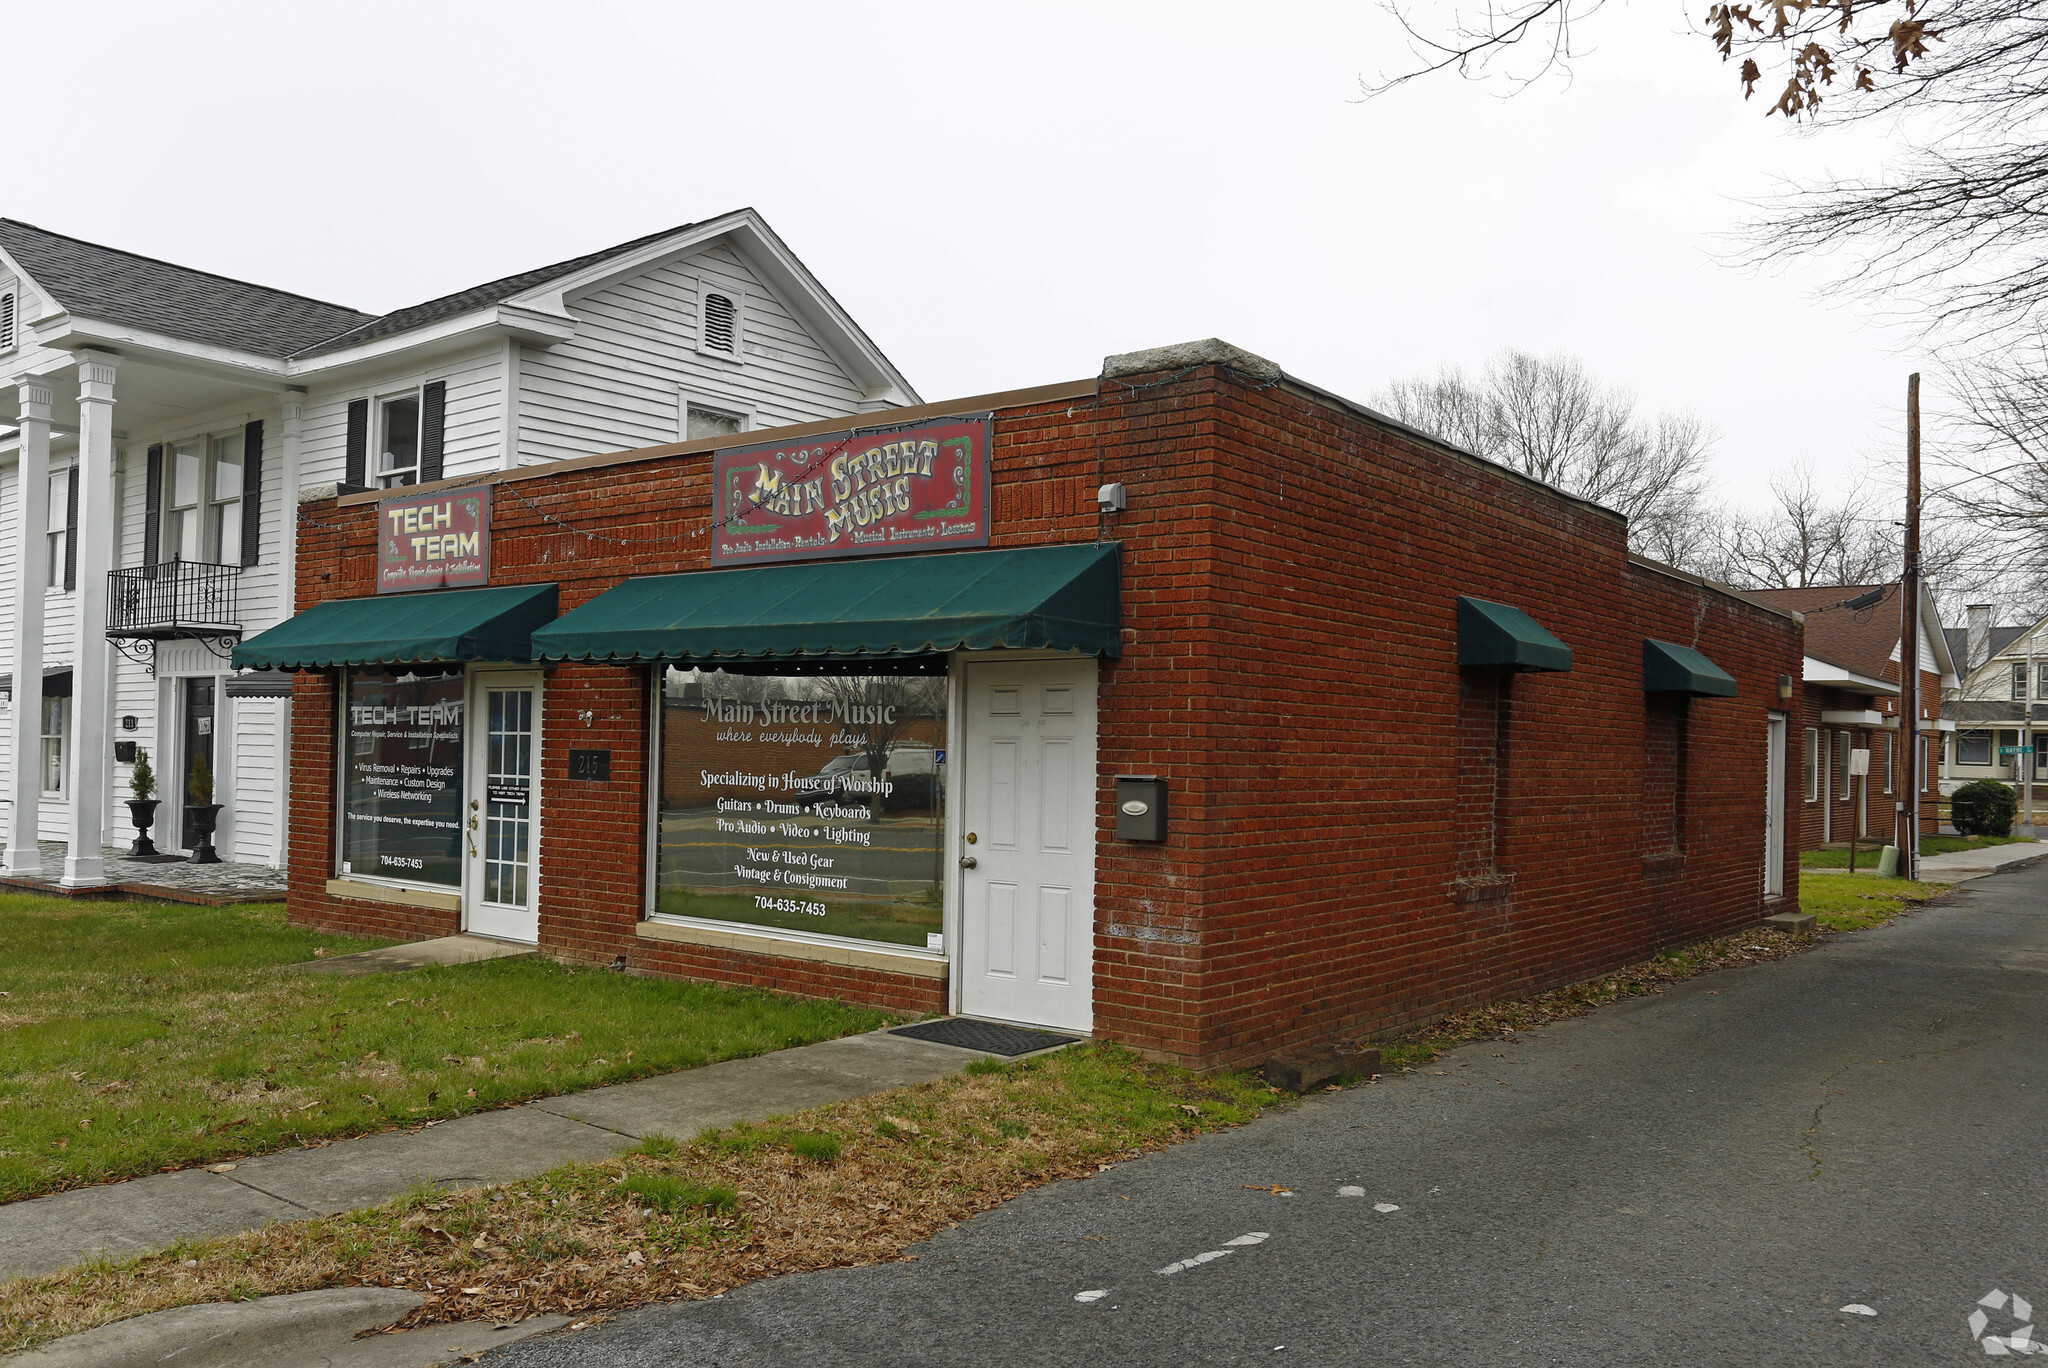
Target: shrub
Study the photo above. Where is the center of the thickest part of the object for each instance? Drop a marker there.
(1984, 807)
(142, 782)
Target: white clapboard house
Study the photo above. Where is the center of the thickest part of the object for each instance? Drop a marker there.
(165, 420)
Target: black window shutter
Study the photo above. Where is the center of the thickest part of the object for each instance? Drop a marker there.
(433, 422)
(357, 457)
(71, 529)
(153, 507)
(252, 491)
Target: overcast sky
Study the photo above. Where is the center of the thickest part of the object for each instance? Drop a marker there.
(1001, 195)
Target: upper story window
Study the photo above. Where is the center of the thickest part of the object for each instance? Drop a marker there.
(57, 526)
(203, 500)
(721, 321)
(10, 307)
(2019, 679)
(398, 441)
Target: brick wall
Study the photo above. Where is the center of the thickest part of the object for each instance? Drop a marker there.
(1362, 834)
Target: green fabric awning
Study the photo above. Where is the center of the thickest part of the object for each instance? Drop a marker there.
(439, 624)
(1495, 634)
(1062, 598)
(1671, 668)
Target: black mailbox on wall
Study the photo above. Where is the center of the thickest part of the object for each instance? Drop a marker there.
(124, 752)
(1140, 807)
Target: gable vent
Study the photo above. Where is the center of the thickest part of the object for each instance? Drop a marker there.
(6, 319)
(721, 324)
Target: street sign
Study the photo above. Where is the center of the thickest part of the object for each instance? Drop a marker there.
(2015, 750)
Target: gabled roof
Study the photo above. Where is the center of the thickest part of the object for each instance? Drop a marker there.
(197, 306)
(2001, 637)
(477, 296)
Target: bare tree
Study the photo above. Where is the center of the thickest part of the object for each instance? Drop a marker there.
(1547, 417)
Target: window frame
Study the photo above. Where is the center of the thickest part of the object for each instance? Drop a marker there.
(685, 401)
(206, 509)
(10, 318)
(61, 738)
(378, 477)
(57, 527)
(1812, 766)
(2019, 681)
(1891, 758)
(1840, 765)
(1990, 742)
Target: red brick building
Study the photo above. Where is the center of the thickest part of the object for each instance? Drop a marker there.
(1849, 701)
(1209, 712)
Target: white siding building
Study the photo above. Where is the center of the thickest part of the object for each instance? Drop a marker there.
(165, 421)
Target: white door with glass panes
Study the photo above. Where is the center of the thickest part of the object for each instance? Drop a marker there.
(501, 807)
(1027, 843)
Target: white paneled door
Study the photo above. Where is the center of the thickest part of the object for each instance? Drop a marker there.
(501, 807)
(1027, 843)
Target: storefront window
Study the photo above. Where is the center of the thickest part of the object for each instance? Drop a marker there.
(804, 802)
(402, 775)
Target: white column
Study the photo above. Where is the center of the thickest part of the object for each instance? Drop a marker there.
(32, 513)
(91, 758)
(291, 442)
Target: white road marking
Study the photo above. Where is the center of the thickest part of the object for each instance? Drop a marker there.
(1198, 1260)
(1384, 1207)
(1096, 1295)
(1255, 1237)
(1858, 1309)
(1351, 1192)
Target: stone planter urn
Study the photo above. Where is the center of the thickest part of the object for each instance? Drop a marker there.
(202, 816)
(142, 811)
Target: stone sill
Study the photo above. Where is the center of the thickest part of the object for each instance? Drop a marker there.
(355, 890)
(850, 956)
(1664, 864)
(1483, 888)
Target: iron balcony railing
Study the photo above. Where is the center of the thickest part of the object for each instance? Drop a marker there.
(174, 599)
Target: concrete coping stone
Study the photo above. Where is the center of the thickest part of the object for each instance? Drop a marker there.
(1209, 351)
(267, 1331)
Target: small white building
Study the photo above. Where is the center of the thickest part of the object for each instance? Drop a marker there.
(165, 421)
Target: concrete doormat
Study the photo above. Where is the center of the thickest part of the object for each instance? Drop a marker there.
(315, 1329)
(45, 1234)
(393, 959)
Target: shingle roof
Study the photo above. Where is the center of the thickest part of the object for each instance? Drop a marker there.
(1959, 640)
(120, 287)
(476, 297)
(1982, 710)
(1859, 639)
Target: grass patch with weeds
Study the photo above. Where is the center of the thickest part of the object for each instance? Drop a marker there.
(142, 1036)
(729, 1207)
(1847, 904)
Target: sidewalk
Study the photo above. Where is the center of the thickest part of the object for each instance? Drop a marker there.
(45, 1234)
(1959, 865)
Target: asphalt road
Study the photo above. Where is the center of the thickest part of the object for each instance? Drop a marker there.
(1703, 1178)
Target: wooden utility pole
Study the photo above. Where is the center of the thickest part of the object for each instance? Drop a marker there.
(1909, 645)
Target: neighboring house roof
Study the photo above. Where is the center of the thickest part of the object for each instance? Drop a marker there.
(1859, 639)
(476, 297)
(196, 306)
(1959, 641)
(1966, 710)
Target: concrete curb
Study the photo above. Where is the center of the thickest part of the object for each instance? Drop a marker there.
(265, 1333)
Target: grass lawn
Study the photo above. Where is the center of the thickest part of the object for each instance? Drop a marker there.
(1866, 857)
(136, 1036)
(1851, 904)
(847, 1184)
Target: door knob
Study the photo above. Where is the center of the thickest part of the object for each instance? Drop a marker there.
(967, 862)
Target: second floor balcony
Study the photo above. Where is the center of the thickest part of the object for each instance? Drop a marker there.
(174, 600)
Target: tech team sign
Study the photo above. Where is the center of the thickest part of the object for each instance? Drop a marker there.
(915, 488)
(434, 541)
